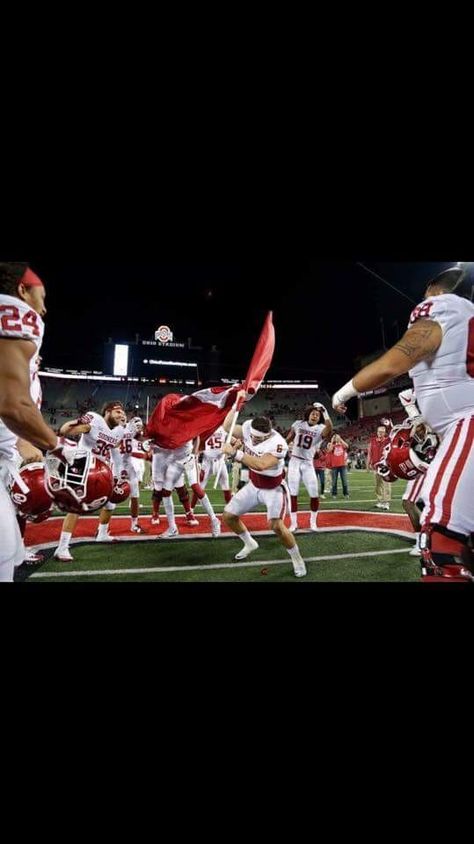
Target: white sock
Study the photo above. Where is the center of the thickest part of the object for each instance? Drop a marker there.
(65, 539)
(294, 554)
(103, 530)
(245, 537)
(294, 518)
(169, 510)
(313, 518)
(134, 521)
(208, 507)
(417, 540)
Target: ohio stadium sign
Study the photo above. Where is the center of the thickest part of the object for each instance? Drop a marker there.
(164, 337)
(164, 334)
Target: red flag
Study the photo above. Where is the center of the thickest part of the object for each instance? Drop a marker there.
(177, 419)
(262, 358)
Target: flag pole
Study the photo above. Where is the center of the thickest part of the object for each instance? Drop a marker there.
(227, 439)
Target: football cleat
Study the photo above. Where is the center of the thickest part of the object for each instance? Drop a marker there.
(63, 555)
(246, 550)
(169, 533)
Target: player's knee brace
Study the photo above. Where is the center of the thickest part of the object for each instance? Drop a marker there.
(445, 555)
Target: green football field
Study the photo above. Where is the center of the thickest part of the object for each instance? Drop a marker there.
(336, 555)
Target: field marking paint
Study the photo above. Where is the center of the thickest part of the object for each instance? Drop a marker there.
(172, 569)
(84, 540)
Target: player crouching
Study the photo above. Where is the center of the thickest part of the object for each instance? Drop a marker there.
(264, 455)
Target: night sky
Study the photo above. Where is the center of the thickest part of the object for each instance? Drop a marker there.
(325, 313)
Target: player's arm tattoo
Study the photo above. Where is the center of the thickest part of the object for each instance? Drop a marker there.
(421, 341)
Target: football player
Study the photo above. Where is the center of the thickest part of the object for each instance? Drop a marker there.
(22, 308)
(438, 352)
(212, 464)
(126, 482)
(306, 435)
(262, 450)
(171, 467)
(99, 434)
(412, 500)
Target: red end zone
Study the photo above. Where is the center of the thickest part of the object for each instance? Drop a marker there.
(86, 528)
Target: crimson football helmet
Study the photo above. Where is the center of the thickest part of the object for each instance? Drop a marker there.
(81, 487)
(409, 453)
(120, 492)
(32, 498)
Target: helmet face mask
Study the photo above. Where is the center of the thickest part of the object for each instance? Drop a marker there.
(409, 453)
(427, 446)
(120, 492)
(82, 487)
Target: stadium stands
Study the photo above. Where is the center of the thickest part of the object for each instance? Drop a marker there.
(66, 398)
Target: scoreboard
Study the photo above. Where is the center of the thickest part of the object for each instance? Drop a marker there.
(163, 359)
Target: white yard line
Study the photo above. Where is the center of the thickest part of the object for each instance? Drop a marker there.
(243, 565)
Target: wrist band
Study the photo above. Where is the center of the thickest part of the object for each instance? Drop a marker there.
(346, 392)
(239, 455)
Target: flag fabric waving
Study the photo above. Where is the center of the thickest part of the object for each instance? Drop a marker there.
(261, 360)
(177, 419)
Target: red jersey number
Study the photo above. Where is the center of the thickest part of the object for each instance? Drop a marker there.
(421, 312)
(11, 321)
(304, 441)
(215, 442)
(102, 448)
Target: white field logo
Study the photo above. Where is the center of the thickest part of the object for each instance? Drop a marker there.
(164, 334)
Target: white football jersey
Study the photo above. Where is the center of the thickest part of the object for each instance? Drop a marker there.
(18, 322)
(444, 384)
(100, 439)
(122, 455)
(142, 448)
(213, 445)
(307, 439)
(275, 445)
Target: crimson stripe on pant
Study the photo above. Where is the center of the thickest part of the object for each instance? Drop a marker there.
(413, 497)
(454, 479)
(441, 471)
(283, 506)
